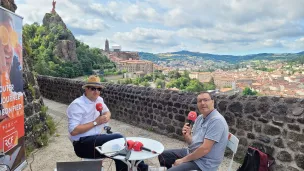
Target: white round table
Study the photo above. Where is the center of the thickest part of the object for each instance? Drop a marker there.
(111, 147)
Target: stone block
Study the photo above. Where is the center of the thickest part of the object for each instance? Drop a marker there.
(277, 121)
(250, 136)
(232, 130)
(230, 119)
(256, 114)
(29, 109)
(290, 100)
(294, 146)
(177, 105)
(257, 127)
(170, 128)
(167, 121)
(251, 117)
(278, 142)
(299, 159)
(243, 141)
(297, 111)
(263, 99)
(294, 127)
(302, 148)
(244, 124)
(222, 106)
(284, 156)
(264, 138)
(275, 99)
(180, 118)
(37, 107)
(263, 120)
(250, 107)
(154, 123)
(300, 120)
(296, 137)
(271, 130)
(290, 168)
(279, 109)
(236, 108)
(240, 133)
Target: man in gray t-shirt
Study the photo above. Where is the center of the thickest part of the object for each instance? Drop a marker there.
(207, 141)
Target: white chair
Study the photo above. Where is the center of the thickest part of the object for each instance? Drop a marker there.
(233, 143)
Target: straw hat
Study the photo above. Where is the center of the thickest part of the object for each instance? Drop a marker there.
(93, 81)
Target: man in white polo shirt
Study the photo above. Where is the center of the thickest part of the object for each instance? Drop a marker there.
(85, 123)
(207, 141)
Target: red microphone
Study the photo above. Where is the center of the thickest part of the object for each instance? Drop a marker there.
(138, 146)
(191, 117)
(99, 108)
(130, 144)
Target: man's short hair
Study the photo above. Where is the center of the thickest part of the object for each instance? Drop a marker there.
(205, 92)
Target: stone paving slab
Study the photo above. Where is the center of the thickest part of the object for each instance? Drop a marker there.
(60, 148)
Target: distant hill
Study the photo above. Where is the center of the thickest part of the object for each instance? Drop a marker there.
(301, 53)
(183, 55)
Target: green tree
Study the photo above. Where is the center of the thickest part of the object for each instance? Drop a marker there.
(174, 74)
(42, 41)
(145, 83)
(160, 83)
(248, 91)
(195, 86)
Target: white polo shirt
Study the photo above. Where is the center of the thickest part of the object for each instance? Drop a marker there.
(81, 111)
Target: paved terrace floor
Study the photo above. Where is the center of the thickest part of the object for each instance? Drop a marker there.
(60, 148)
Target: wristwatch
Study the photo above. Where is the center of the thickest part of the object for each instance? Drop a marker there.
(94, 123)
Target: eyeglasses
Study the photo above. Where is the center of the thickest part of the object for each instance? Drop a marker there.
(94, 88)
(204, 100)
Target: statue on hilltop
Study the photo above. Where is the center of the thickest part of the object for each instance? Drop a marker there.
(54, 5)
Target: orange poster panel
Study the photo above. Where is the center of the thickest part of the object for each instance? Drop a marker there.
(11, 90)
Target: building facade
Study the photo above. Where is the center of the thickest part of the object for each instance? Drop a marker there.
(133, 66)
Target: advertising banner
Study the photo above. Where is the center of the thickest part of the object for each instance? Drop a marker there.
(12, 150)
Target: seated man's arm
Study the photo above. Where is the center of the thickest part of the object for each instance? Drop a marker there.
(201, 151)
(75, 116)
(213, 135)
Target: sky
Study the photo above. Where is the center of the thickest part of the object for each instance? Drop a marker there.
(232, 27)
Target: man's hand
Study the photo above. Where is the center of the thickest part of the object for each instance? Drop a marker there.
(102, 119)
(178, 162)
(186, 129)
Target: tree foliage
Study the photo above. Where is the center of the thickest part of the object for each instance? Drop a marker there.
(248, 91)
(42, 41)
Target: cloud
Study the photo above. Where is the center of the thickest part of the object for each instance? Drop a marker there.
(143, 38)
(220, 26)
(103, 11)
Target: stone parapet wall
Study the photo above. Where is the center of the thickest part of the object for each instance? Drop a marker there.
(271, 123)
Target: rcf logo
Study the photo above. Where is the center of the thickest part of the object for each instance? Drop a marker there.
(10, 141)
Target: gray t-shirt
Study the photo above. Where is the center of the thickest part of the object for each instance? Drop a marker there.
(213, 127)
